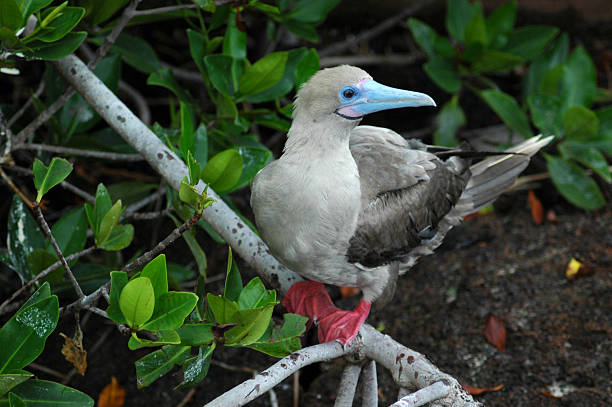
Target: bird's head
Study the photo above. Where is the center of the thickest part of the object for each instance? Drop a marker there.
(348, 93)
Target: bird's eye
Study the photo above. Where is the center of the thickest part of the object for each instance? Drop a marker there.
(348, 93)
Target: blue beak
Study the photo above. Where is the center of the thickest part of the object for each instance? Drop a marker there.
(373, 97)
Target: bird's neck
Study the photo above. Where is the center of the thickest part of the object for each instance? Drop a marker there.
(318, 136)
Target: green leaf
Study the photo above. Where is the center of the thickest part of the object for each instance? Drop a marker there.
(10, 15)
(137, 53)
(196, 250)
(158, 363)
(223, 170)
(458, 16)
(165, 78)
(307, 67)
(10, 380)
(108, 223)
(476, 30)
(574, 183)
(119, 280)
(508, 110)
(580, 123)
(46, 178)
(22, 338)
(70, 231)
(499, 24)
(279, 341)
(131, 192)
(587, 156)
(52, 51)
(200, 148)
(234, 42)
(493, 61)
(251, 325)
(32, 6)
(137, 301)
(196, 334)
(101, 11)
(187, 139)
(61, 25)
(251, 294)
(171, 309)
(311, 11)
(43, 393)
(528, 42)
(605, 122)
(195, 369)
(40, 259)
(15, 401)
(164, 337)
(119, 239)
(101, 207)
(222, 308)
(218, 67)
(423, 34)
(448, 121)
(156, 271)
(303, 30)
(233, 280)
(197, 47)
(189, 193)
(444, 73)
(263, 74)
(545, 113)
(253, 160)
(23, 236)
(556, 53)
(579, 81)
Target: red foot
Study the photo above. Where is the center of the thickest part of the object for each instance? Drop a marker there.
(310, 298)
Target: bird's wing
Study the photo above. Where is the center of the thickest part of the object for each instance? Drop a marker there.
(406, 191)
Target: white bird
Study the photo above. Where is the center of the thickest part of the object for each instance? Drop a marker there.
(355, 206)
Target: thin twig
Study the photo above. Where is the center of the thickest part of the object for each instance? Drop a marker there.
(28, 103)
(149, 215)
(7, 134)
(161, 246)
(45, 227)
(187, 398)
(47, 370)
(296, 389)
(425, 395)
(162, 10)
(143, 202)
(375, 31)
(14, 187)
(372, 59)
(80, 152)
(44, 274)
(348, 385)
(144, 112)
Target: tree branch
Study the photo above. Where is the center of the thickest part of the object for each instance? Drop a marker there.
(77, 151)
(409, 368)
(348, 385)
(369, 385)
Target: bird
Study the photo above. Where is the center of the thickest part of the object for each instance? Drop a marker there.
(356, 205)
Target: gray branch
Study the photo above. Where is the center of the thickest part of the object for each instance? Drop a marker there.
(409, 368)
(369, 385)
(348, 385)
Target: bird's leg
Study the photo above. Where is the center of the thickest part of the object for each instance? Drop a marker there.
(310, 298)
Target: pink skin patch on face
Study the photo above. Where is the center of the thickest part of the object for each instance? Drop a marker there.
(348, 111)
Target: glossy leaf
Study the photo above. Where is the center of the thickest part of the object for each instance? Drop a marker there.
(22, 238)
(197, 47)
(119, 280)
(307, 67)
(311, 11)
(137, 301)
(187, 139)
(43, 393)
(165, 78)
(196, 334)
(108, 223)
(580, 123)
(234, 41)
(476, 30)
(137, 53)
(103, 10)
(253, 160)
(423, 34)
(528, 42)
(195, 369)
(448, 121)
(458, 16)
(279, 341)
(22, 338)
(171, 309)
(222, 308)
(303, 30)
(499, 24)
(164, 337)
(590, 157)
(101, 206)
(263, 74)
(70, 231)
(223, 170)
(218, 67)
(119, 239)
(61, 25)
(233, 280)
(574, 183)
(10, 380)
(508, 110)
(200, 147)
(46, 178)
(155, 270)
(556, 53)
(578, 81)
(444, 73)
(251, 325)
(158, 363)
(52, 51)
(10, 15)
(495, 61)
(251, 294)
(545, 113)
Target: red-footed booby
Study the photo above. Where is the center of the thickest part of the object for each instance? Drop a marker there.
(355, 206)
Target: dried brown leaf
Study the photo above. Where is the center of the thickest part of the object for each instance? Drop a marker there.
(475, 391)
(73, 351)
(347, 292)
(113, 395)
(537, 210)
(495, 331)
